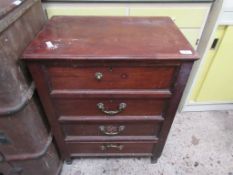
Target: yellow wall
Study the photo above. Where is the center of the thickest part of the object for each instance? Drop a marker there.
(215, 78)
(86, 11)
(184, 17)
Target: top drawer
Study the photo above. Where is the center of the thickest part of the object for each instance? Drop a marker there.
(70, 78)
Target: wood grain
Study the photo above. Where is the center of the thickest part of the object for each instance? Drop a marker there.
(142, 65)
(128, 147)
(113, 77)
(143, 128)
(88, 106)
(110, 38)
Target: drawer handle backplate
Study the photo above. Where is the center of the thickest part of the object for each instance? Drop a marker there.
(121, 107)
(111, 130)
(109, 146)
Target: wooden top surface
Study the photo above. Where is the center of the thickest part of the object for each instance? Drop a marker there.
(110, 38)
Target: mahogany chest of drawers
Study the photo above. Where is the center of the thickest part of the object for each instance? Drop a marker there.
(110, 86)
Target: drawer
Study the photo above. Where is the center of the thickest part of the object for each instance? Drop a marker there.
(77, 107)
(69, 78)
(110, 147)
(103, 128)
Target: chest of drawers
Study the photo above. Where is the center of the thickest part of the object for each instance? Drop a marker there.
(110, 86)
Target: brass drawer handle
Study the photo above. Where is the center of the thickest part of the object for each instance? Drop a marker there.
(111, 130)
(108, 146)
(98, 76)
(121, 107)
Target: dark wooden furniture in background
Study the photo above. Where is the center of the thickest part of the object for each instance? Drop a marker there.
(110, 85)
(26, 146)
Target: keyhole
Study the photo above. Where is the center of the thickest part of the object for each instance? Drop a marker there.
(110, 69)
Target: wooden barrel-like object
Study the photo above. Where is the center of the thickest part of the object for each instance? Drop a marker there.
(25, 140)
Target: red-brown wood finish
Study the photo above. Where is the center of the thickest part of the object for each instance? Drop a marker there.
(141, 62)
(113, 78)
(179, 86)
(96, 147)
(103, 128)
(88, 107)
(110, 38)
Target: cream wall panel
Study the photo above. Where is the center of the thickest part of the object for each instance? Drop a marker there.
(192, 35)
(85, 11)
(184, 17)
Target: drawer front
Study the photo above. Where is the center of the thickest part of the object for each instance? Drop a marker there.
(101, 128)
(111, 78)
(108, 107)
(110, 147)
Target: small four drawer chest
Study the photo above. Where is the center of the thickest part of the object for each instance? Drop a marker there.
(110, 86)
